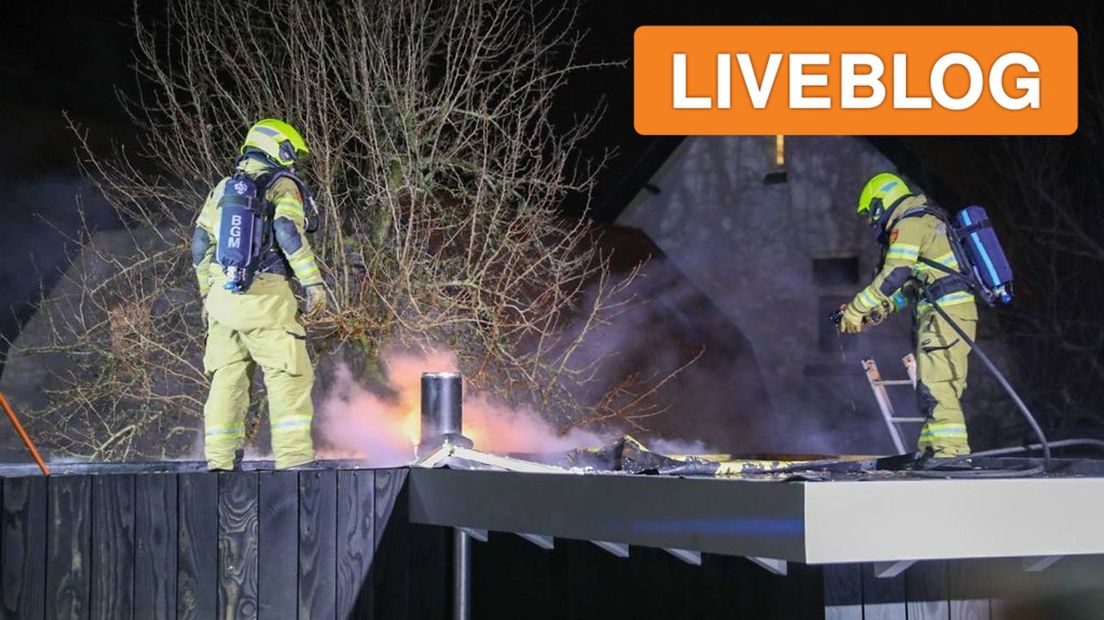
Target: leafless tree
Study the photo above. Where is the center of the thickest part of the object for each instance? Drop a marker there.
(440, 173)
(1048, 189)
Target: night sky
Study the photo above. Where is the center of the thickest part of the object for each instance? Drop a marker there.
(59, 56)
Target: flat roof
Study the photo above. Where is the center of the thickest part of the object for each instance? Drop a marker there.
(837, 521)
(808, 517)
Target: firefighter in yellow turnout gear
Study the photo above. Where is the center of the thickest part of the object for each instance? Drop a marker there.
(259, 326)
(913, 238)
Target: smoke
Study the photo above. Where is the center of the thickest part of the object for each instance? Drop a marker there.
(773, 260)
(383, 429)
(723, 283)
(677, 447)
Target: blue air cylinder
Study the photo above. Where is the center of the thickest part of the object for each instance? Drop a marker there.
(982, 247)
(240, 233)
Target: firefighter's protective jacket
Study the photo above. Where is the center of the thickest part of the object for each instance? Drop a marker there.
(908, 239)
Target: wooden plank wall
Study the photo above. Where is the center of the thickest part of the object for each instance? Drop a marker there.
(266, 544)
(998, 589)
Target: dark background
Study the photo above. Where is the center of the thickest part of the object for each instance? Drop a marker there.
(67, 57)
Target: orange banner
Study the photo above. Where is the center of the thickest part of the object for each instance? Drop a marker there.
(855, 80)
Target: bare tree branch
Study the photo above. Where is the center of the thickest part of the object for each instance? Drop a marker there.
(440, 173)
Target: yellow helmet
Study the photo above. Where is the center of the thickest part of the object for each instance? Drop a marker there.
(276, 139)
(879, 193)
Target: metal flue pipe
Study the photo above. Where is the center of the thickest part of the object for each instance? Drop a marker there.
(442, 411)
(443, 423)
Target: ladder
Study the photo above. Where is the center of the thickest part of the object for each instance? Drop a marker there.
(878, 386)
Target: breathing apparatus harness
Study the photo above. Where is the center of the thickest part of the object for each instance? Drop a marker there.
(246, 237)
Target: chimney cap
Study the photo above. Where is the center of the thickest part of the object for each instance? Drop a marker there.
(441, 375)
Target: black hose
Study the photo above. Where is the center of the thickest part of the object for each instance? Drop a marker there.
(978, 473)
(1063, 443)
(935, 472)
(996, 373)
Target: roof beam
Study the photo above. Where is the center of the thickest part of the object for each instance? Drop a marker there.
(621, 550)
(778, 567)
(686, 555)
(889, 570)
(544, 542)
(480, 535)
(1040, 564)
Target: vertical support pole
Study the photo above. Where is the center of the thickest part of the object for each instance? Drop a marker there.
(461, 575)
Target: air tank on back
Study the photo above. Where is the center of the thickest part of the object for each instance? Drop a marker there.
(980, 242)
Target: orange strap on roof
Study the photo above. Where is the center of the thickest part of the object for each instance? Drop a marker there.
(23, 434)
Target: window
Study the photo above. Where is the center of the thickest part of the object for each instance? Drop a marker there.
(776, 169)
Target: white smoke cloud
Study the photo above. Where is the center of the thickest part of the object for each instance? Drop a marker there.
(354, 422)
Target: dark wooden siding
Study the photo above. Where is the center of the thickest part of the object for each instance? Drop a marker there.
(23, 548)
(338, 544)
(259, 544)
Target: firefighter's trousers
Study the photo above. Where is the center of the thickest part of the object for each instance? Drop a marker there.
(246, 330)
(941, 366)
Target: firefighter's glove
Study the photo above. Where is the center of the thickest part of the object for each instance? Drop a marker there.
(851, 322)
(316, 299)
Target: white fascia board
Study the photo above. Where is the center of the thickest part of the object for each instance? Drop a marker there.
(937, 519)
